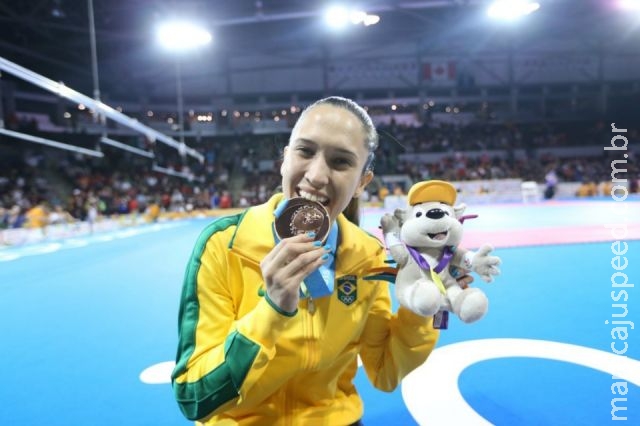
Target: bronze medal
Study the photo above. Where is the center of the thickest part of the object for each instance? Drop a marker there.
(300, 216)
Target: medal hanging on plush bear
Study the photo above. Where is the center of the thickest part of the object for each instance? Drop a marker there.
(441, 318)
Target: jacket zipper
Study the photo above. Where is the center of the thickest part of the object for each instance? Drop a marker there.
(311, 306)
(287, 405)
(311, 360)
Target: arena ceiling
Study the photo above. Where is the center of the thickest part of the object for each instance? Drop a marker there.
(52, 37)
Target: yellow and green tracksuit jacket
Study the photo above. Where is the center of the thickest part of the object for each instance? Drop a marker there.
(243, 361)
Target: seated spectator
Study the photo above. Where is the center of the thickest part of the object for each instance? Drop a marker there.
(225, 200)
(397, 190)
(634, 183)
(588, 188)
(4, 223)
(17, 217)
(59, 216)
(383, 192)
(37, 217)
(153, 212)
(606, 187)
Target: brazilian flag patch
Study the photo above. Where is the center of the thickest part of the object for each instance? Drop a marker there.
(348, 289)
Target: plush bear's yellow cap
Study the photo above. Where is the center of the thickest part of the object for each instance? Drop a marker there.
(432, 190)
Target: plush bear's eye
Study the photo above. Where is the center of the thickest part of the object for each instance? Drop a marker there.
(436, 214)
(418, 214)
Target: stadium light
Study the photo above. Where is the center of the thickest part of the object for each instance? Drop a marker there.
(510, 10)
(371, 20)
(629, 4)
(338, 17)
(182, 35)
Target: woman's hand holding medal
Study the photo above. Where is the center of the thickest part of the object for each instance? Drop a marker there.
(302, 226)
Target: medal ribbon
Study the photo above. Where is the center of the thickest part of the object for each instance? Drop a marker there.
(446, 257)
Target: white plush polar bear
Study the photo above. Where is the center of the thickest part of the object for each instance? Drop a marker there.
(424, 240)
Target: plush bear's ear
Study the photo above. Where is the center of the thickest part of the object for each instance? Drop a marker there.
(401, 215)
(459, 210)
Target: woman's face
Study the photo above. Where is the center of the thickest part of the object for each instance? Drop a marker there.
(325, 158)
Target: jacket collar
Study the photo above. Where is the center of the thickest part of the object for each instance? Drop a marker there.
(253, 238)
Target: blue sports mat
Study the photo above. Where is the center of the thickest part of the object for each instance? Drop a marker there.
(82, 318)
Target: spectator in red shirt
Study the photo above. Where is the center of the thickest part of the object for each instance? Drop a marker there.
(225, 200)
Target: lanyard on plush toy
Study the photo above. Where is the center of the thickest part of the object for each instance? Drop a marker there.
(447, 255)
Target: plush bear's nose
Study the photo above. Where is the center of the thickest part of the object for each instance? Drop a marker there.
(436, 213)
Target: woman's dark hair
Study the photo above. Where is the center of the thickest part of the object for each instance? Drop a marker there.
(352, 212)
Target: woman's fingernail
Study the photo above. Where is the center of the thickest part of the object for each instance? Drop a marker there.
(311, 234)
(325, 256)
(317, 243)
(327, 247)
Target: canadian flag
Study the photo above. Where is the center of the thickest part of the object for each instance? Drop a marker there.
(442, 71)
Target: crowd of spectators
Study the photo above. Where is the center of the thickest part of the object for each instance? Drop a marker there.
(243, 169)
(69, 187)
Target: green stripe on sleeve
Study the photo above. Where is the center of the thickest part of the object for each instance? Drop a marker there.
(189, 304)
(198, 399)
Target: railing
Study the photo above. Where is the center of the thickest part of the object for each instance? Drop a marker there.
(100, 108)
